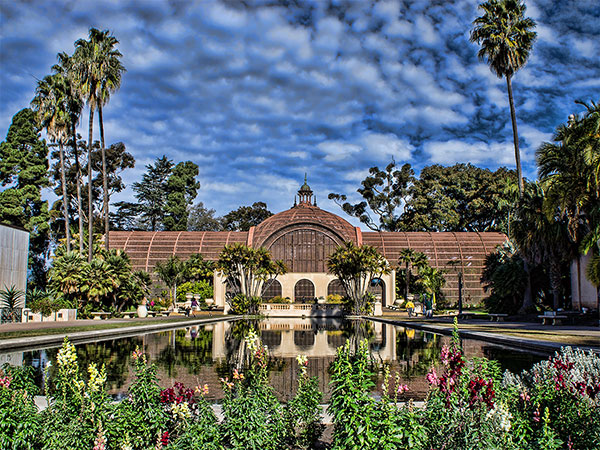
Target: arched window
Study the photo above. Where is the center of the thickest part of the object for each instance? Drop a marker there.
(304, 291)
(335, 287)
(273, 290)
(377, 288)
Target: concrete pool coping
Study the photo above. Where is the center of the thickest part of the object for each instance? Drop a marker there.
(83, 337)
(495, 338)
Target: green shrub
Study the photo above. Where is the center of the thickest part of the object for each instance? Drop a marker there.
(202, 287)
(279, 299)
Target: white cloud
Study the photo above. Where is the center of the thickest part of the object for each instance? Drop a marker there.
(454, 151)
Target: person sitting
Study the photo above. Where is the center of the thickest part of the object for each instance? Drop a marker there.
(410, 307)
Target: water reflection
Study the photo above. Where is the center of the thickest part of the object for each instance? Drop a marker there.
(202, 354)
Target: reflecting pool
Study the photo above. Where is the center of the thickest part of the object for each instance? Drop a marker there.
(203, 354)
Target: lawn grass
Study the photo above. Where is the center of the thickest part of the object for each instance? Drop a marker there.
(80, 328)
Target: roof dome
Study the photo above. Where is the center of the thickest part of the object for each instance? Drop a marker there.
(302, 216)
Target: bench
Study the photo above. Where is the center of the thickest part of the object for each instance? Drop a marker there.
(556, 319)
(165, 312)
(129, 314)
(498, 317)
(151, 313)
(100, 315)
(467, 316)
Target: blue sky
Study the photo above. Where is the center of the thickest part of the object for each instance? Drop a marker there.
(259, 93)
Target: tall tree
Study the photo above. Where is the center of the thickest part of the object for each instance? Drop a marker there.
(245, 217)
(385, 193)
(506, 37)
(98, 69)
(542, 238)
(182, 189)
(23, 174)
(151, 193)
(51, 105)
(569, 169)
(461, 197)
(110, 72)
(74, 105)
(203, 219)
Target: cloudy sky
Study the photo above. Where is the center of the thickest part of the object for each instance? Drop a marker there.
(259, 92)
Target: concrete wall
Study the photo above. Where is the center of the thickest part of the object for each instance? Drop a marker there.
(14, 249)
(583, 293)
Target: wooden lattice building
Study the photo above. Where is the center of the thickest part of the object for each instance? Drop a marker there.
(304, 236)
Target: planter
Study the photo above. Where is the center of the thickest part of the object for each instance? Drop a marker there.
(142, 311)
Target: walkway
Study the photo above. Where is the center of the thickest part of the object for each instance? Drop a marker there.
(529, 335)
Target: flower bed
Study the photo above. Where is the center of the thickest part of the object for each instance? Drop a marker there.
(471, 405)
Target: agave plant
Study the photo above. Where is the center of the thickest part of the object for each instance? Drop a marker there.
(11, 299)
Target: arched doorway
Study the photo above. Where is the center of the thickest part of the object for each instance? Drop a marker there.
(272, 290)
(304, 291)
(377, 288)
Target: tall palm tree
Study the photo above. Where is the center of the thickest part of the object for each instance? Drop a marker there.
(506, 37)
(110, 73)
(99, 73)
(74, 107)
(50, 104)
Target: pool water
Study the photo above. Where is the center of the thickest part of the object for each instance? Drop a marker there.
(201, 355)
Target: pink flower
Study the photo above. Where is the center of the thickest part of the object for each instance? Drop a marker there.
(432, 377)
(402, 388)
(5, 381)
(445, 354)
(237, 375)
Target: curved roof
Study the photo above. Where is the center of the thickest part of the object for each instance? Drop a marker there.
(146, 248)
(468, 249)
(302, 214)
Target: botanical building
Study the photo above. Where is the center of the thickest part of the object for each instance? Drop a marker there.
(304, 236)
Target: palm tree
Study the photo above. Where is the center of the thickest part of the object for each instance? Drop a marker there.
(99, 71)
(542, 239)
(172, 272)
(506, 37)
(110, 74)
(569, 169)
(411, 258)
(50, 104)
(66, 275)
(432, 280)
(74, 106)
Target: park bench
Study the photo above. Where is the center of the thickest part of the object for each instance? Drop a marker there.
(129, 314)
(498, 317)
(556, 319)
(165, 312)
(100, 315)
(466, 315)
(151, 313)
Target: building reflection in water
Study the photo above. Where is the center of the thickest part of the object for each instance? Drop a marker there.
(201, 355)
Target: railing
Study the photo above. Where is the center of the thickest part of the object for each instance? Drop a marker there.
(300, 309)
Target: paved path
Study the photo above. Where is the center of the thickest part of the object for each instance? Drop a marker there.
(531, 334)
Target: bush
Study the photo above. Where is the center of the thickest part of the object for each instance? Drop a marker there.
(202, 287)
(243, 304)
(279, 299)
(335, 299)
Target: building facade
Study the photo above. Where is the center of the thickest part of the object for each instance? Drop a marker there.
(304, 236)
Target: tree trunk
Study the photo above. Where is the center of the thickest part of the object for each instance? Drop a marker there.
(78, 184)
(527, 297)
(63, 180)
(555, 277)
(104, 178)
(407, 278)
(90, 202)
(513, 118)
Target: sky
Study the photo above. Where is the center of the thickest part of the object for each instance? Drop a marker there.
(258, 93)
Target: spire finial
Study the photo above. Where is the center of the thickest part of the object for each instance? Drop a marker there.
(304, 177)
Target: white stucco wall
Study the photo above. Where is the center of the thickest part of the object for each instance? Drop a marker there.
(583, 293)
(14, 249)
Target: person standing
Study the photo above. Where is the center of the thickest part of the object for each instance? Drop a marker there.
(410, 307)
(428, 303)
